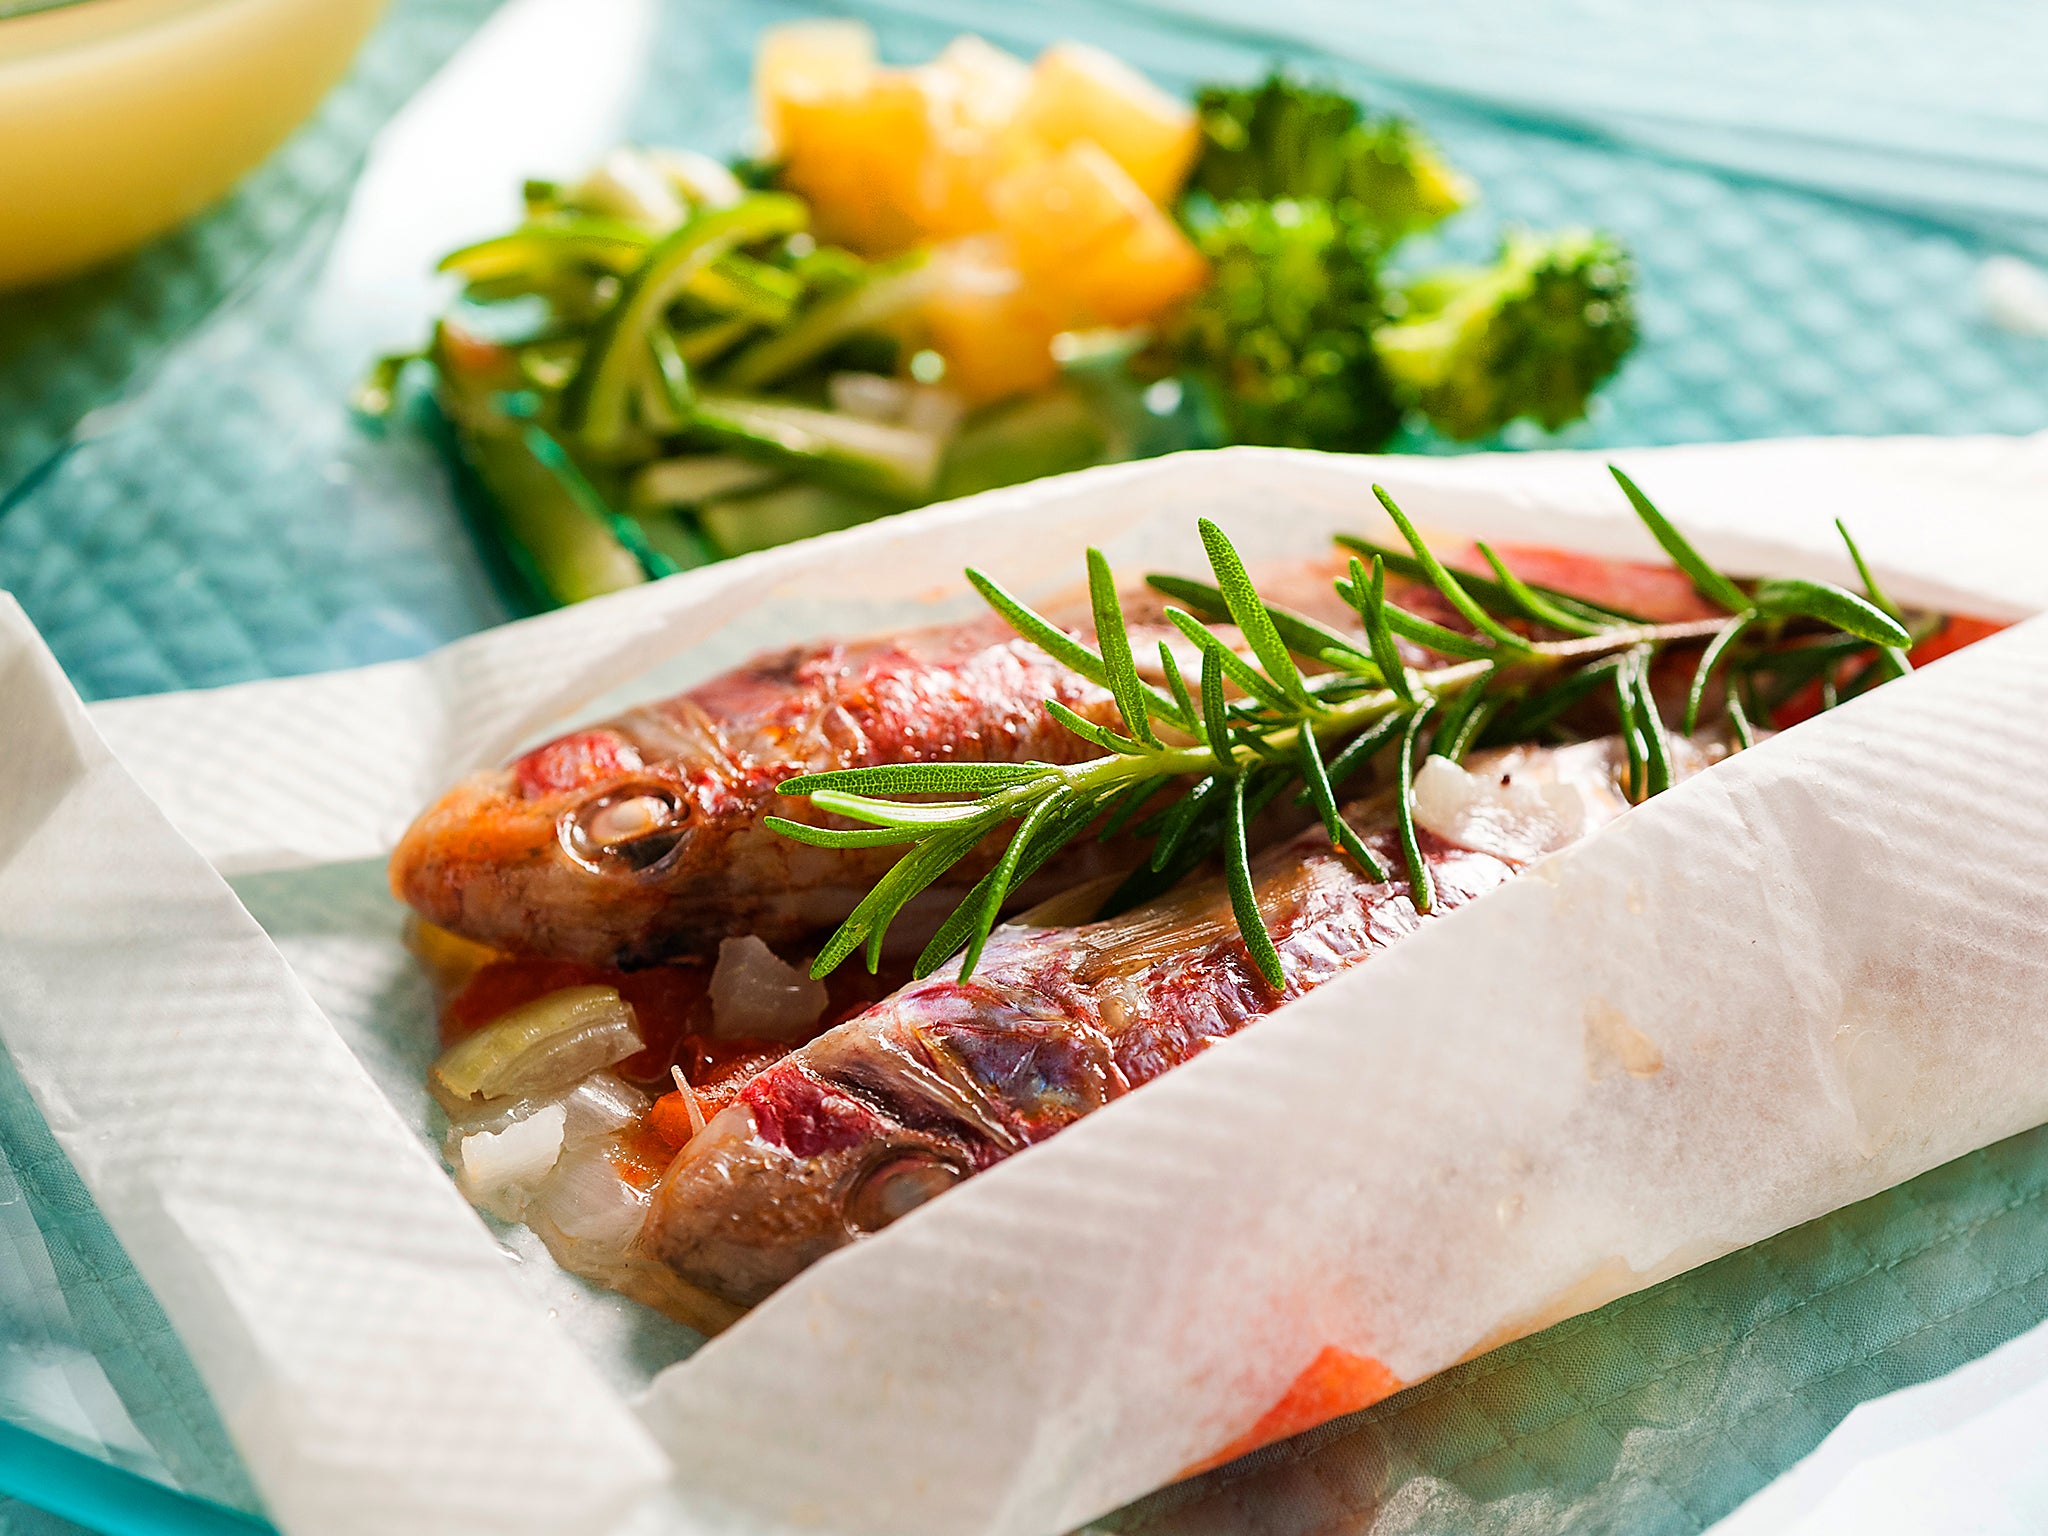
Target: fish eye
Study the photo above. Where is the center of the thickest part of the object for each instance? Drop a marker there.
(894, 1188)
(628, 829)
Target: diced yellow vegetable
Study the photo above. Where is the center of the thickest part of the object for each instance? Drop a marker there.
(994, 332)
(859, 157)
(1078, 92)
(972, 91)
(985, 85)
(448, 959)
(1085, 234)
(1065, 161)
(891, 158)
(807, 62)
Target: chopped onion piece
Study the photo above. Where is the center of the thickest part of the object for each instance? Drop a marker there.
(756, 996)
(870, 396)
(499, 1168)
(536, 1050)
(701, 180)
(895, 402)
(934, 410)
(602, 1103)
(590, 1203)
(628, 186)
(1514, 815)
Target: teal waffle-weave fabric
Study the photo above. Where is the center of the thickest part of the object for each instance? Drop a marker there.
(1807, 265)
(226, 520)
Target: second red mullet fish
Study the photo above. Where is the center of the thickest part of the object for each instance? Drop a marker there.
(946, 1077)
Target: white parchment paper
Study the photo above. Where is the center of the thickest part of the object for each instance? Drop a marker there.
(369, 1351)
(1828, 947)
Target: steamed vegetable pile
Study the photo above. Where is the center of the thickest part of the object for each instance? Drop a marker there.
(969, 273)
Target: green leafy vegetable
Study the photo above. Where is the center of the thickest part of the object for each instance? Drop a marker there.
(1280, 341)
(714, 380)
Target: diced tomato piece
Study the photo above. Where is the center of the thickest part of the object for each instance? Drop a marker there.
(670, 1119)
(641, 1157)
(1336, 1382)
(1954, 634)
(670, 1002)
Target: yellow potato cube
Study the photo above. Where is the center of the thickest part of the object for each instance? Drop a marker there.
(1088, 239)
(891, 158)
(994, 332)
(1151, 270)
(972, 92)
(1078, 92)
(982, 85)
(860, 158)
(806, 62)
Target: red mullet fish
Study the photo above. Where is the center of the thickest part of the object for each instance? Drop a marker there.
(641, 840)
(947, 1077)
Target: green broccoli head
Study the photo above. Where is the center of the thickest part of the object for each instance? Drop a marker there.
(1533, 335)
(1281, 338)
(1286, 139)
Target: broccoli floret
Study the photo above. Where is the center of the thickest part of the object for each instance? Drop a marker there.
(1532, 335)
(1287, 139)
(1281, 338)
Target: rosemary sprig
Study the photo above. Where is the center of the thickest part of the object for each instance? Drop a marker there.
(1253, 725)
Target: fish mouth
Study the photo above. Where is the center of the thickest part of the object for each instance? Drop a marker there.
(739, 1216)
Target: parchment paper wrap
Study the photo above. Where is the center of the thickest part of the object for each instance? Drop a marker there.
(347, 1311)
(1812, 973)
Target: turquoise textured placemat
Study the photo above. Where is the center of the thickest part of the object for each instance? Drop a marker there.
(221, 518)
(227, 520)
(87, 1357)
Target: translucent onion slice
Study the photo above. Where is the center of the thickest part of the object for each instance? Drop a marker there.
(756, 996)
(498, 1170)
(597, 1212)
(537, 1049)
(598, 1105)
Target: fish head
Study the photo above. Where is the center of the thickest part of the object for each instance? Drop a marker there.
(791, 1170)
(576, 850)
(868, 1122)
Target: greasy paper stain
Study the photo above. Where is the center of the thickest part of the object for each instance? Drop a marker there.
(1615, 1045)
(1336, 1382)
(1605, 1282)
(1877, 1075)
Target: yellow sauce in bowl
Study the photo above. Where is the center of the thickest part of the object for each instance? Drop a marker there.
(119, 118)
